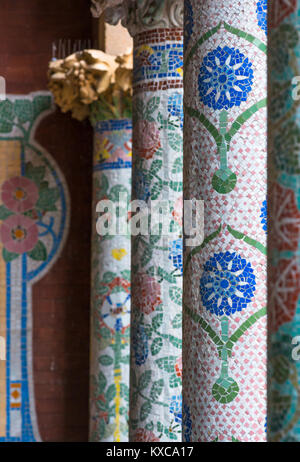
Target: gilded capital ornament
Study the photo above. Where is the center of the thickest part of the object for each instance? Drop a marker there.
(93, 84)
(141, 15)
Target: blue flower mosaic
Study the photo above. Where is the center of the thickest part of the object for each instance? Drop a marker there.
(227, 284)
(175, 254)
(176, 408)
(175, 109)
(261, 11)
(263, 216)
(188, 22)
(140, 345)
(141, 186)
(225, 79)
(186, 424)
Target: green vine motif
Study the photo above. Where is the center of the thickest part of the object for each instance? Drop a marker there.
(151, 398)
(110, 400)
(106, 408)
(234, 233)
(22, 114)
(145, 110)
(200, 247)
(151, 175)
(158, 338)
(172, 431)
(149, 245)
(249, 37)
(233, 30)
(163, 275)
(167, 364)
(248, 240)
(224, 180)
(225, 389)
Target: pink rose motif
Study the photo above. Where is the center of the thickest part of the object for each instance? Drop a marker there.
(284, 292)
(285, 219)
(19, 194)
(178, 210)
(145, 436)
(149, 290)
(147, 141)
(19, 234)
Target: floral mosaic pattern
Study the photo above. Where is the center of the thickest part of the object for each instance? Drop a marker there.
(26, 200)
(110, 296)
(156, 368)
(158, 61)
(227, 284)
(224, 301)
(34, 217)
(225, 78)
(284, 290)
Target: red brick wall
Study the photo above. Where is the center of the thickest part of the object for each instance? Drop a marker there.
(61, 298)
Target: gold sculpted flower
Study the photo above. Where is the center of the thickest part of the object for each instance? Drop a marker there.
(86, 77)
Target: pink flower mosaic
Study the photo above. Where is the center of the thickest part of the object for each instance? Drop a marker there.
(150, 293)
(19, 234)
(148, 140)
(19, 194)
(145, 436)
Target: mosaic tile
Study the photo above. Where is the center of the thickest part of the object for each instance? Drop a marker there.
(34, 215)
(156, 368)
(110, 288)
(225, 287)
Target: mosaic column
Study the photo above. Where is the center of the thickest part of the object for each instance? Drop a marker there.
(284, 211)
(155, 387)
(225, 140)
(99, 86)
(110, 289)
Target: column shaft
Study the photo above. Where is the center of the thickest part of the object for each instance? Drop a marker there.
(224, 336)
(155, 405)
(110, 286)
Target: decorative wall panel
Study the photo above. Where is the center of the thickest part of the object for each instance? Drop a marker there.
(34, 214)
